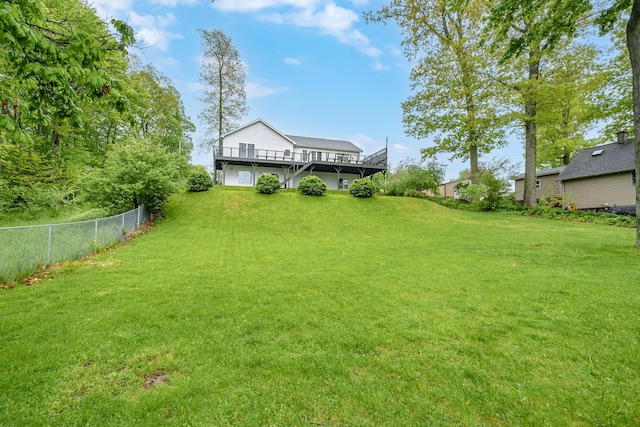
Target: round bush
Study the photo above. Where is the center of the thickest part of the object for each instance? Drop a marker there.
(268, 184)
(199, 180)
(312, 186)
(363, 188)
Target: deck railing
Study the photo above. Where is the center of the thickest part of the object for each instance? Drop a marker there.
(377, 159)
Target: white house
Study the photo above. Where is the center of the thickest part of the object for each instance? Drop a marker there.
(258, 148)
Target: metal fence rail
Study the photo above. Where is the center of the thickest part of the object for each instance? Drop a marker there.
(23, 249)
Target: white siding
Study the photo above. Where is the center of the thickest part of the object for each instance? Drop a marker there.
(331, 179)
(232, 173)
(259, 134)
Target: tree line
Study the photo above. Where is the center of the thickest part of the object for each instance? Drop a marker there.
(72, 97)
(482, 69)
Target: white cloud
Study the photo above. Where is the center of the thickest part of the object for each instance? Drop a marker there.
(292, 61)
(329, 19)
(256, 5)
(150, 30)
(258, 90)
(109, 8)
(401, 148)
(173, 3)
(367, 144)
(378, 66)
(252, 89)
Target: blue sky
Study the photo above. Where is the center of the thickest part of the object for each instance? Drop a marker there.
(314, 67)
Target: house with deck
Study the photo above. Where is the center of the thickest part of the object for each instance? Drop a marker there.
(603, 177)
(258, 147)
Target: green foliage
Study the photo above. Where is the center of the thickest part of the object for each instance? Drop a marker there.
(490, 187)
(26, 183)
(156, 112)
(53, 53)
(68, 96)
(199, 179)
(413, 176)
(363, 188)
(546, 26)
(136, 173)
(311, 185)
(546, 211)
(456, 99)
(571, 102)
(268, 184)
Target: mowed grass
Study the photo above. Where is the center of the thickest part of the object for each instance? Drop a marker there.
(246, 309)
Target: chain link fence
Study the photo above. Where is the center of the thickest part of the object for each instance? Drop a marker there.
(24, 249)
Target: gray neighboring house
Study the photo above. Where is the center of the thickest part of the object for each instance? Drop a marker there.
(547, 184)
(603, 177)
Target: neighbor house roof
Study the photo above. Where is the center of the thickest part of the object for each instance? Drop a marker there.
(545, 172)
(601, 160)
(325, 144)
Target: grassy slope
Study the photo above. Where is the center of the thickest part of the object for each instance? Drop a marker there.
(291, 310)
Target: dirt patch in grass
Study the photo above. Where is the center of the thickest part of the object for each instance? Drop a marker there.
(154, 379)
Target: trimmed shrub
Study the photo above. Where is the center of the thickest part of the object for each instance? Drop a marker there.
(312, 186)
(268, 184)
(199, 180)
(363, 188)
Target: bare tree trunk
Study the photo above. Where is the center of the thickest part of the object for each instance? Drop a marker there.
(633, 45)
(473, 159)
(530, 134)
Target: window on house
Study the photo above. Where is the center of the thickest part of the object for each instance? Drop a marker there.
(247, 150)
(245, 178)
(343, 184)
(305, 156)
(633, 177)
(287, 153)
(538, 184)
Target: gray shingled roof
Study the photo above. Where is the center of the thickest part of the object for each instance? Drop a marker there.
(325, 144)
(545, 172)
(614, 158)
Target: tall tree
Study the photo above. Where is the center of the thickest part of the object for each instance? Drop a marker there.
(455, 97)
(223, 75)
(573, 96)
(618, 101)
(563, 20)
(522, 29)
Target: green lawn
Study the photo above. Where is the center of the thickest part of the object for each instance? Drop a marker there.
(246, 309)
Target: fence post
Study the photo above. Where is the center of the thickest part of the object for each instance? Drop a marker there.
(122, 230)
(95, 240)
(49, 244)
(138, 219)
